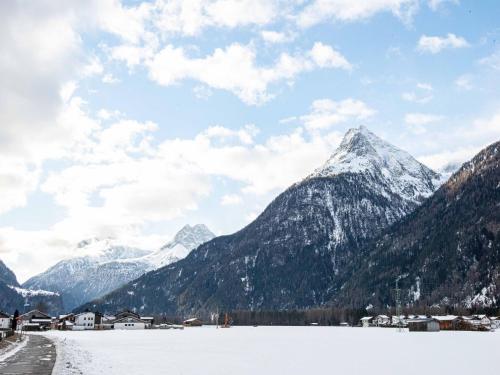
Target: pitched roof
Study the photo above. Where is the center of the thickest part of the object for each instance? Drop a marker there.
(4, 315)
(37, 313)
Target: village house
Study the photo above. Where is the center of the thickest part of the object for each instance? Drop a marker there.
(365, 321)
(129, 322)
(34, 320)
(5, 321)
(381, 320)
(5, 324)
(84, 321)
(65, 322)
(495, 322)
(398, 320)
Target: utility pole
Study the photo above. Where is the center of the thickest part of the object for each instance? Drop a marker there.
(399, 310)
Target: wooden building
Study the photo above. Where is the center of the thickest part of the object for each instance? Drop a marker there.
(423, 325)
(34, 320)
(447, 322)
(192, 322)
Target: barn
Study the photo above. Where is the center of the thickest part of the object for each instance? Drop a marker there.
(423, 325)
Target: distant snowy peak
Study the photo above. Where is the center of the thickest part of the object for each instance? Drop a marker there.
(190, 237)
(363, 152)
(186, 240)
(107, 250)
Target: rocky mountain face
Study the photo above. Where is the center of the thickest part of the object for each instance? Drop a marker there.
(294, 253)
(447, 252)
(106, 265)
(13, 297)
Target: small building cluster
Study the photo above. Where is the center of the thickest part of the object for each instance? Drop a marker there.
(36, 320)
(433, 323)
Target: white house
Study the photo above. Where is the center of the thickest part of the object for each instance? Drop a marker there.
(5, 322)
(129, 322)
(381, 320)
(495, 322)
(365, 321)
(84, 321)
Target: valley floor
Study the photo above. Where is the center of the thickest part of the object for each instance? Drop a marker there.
(275, 350)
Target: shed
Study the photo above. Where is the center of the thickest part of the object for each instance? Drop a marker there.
(447, 322)
(193, 322)
(423, 325)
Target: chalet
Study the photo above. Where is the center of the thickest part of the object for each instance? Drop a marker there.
(107, 321)
(398, 320)
(129, 322)
(65, 322)
(381, 321)
(5, 321)
(447, 322)
(192, 322)
(365, 321)
(34, 320)
(423, 325)
(84, 321)
(481, 320)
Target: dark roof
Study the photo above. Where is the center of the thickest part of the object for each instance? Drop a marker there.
(35, 313)
(4, 315)
(126, 313)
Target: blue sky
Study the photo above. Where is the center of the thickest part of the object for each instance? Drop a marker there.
(130, 119)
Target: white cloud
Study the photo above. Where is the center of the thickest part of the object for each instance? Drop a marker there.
(492, 61)
(230, 200)
(110, 78)
(425, 86)
(417, 121)
(191, 17)
(423, 96)
(436, 4)
(464, 82)
(326, 112)
(202, 92)
(348, 11)
(235, 69)
(435, 44)
(275, 37)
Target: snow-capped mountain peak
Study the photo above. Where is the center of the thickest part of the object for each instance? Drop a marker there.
(186, 240)
(361, 151)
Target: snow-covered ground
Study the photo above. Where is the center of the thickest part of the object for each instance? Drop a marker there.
(275, 350)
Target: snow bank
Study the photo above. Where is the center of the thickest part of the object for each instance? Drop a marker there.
(274, 350)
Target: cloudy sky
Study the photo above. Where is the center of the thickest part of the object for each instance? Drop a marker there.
(130, 119)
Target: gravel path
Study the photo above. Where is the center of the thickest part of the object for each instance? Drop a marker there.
(37, 357)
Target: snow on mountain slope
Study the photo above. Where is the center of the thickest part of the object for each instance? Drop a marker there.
(102, 265)
(187, 239)
(361, 151)
(295, 252)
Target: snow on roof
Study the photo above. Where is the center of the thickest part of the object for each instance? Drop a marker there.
(147, 317)
(367, 318)
(191, 319)
(443, 318)
(382, 316)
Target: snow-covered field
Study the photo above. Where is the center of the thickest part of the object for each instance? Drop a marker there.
(276, 350)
